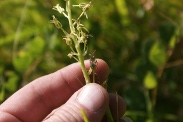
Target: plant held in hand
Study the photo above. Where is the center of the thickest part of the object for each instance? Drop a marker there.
(76, 39)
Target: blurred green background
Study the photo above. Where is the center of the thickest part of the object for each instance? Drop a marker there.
(141, 40)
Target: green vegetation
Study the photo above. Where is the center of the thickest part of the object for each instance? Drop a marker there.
(140, 40)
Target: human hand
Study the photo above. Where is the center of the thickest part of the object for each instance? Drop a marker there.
(59, 97)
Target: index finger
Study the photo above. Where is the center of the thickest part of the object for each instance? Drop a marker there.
(37, 99)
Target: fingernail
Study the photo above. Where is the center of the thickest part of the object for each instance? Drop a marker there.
(91, 97)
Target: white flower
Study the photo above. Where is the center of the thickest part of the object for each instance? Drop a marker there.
(70, 55)
(59, 9)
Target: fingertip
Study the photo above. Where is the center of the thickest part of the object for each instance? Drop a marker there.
(117, 106)
(94, 97)
(95, 101)
(103, 68)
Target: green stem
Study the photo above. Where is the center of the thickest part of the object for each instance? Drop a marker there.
(77, 44)
(68, 4)
(81, 61)
(84, 116)
(149, 105)
(109, 115)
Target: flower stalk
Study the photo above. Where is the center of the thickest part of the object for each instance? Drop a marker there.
(77, 34)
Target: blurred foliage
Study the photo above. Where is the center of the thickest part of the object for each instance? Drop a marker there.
(141, 40)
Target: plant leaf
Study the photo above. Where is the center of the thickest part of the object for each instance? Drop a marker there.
(157, 54)
(150, 80)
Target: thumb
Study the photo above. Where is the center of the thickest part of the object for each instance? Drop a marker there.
(93, 99)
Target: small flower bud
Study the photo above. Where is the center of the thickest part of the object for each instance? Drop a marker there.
(59, 9)
(70, 55)
(56, 22)
(68, 41)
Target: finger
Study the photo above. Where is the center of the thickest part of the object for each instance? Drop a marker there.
(117, 107)
(37, 99)
(93, 99)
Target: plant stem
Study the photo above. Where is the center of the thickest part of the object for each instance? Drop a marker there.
(77, 44)
(109, 115)
(81, 61)
(149, 106)
(68, 4)
(84, 116)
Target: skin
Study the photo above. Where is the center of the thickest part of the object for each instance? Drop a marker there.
(59, 97)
